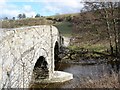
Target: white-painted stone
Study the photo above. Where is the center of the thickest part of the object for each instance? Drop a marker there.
(20, 49)
(58, 76)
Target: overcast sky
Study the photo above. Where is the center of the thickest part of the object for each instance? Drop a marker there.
(11, 8)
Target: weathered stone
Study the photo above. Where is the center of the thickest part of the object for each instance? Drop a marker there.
(20, 50)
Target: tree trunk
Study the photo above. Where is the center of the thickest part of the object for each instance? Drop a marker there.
(118, 29)
(108, 31)
(115, 34)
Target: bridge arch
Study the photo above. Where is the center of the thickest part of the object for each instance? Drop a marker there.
(56, 51)
(40, 70)
(56, 54)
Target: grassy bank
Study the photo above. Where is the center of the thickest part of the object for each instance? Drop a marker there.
(107, 81)
(25, 22)
(65, 28)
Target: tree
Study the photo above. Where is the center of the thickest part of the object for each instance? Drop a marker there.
(109, 16)
(37, 15)
(23, 16)
(13, 18)
(20, 16)
(69, 18)
(114, 22)
(118, 24)
(106, 13)
(6, 18)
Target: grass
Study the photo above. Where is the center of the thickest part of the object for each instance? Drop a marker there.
(63, 15)
(97, 50)
(96, 47)
(99, 47)
(65, 28)
(106, 81)
(25, 22)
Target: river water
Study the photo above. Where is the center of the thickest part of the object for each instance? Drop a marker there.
(80, 73)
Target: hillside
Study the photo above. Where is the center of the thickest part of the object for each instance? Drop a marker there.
(62, 22)
(92, 32)
(86, 28)
(25, 22)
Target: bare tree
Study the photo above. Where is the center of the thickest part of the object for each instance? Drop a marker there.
(105, 13)
(118, 24)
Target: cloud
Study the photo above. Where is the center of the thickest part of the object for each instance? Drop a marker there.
(12, 10)
(2, 1)
(49, 7)
(62, 6)
(50, 10)
(37, 0)
(27, 9)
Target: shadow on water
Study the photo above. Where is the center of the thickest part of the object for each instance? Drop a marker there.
(81, 73)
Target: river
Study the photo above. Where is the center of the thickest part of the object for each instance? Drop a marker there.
(80, 73)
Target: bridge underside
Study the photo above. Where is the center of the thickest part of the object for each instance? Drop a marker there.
(40, 69)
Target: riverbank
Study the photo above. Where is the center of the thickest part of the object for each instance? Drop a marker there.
(84, 76)
(87, 57)
(111, 80)
(89, 67)
(107, 81)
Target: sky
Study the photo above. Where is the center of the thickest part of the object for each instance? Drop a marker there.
(11, 8)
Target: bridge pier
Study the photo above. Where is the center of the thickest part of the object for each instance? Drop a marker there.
(58, 76)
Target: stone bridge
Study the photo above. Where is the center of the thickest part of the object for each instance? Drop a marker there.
(23, 50)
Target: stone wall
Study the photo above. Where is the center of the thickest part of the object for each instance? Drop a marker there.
(20, 49)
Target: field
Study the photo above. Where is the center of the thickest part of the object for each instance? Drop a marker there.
(65, 28)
